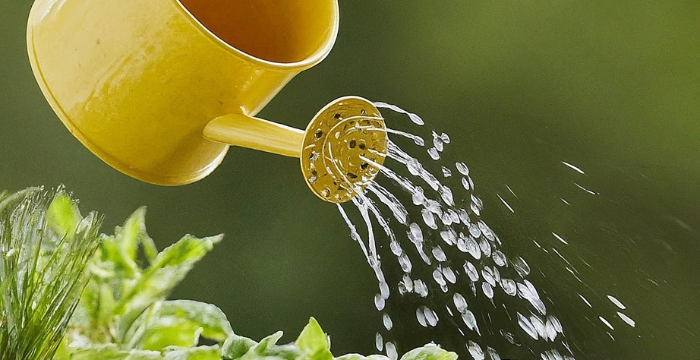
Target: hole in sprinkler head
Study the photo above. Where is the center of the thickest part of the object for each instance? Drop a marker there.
(364, 166)
(314, 173)
(318, 133)
(352, 176)
(352, 144)
(337, 116)
(363, 146)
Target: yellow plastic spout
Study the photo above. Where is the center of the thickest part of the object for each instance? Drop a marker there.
(255, 133)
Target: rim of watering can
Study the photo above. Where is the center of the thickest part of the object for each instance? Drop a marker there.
(310, 61)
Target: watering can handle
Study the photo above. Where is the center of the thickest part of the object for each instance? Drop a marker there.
(254, 133)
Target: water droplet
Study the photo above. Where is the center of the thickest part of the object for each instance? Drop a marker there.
(379, 302)
(485, 247)
(384, 289)
(429, 219)
(475, 350)
(465, 184)
(415, 234)
(464, 216)
(509, 287)
(493, 354)
(434, 154)
(414, 167)
(487, 273)
(488, 290)
(617, 303)
(438, 277)
(521, 266)
(445, 138)
(388, 324)
(471, 271)
(379, 342)
(470, 321)
(391, 351)
(550, 329)
(420, 288)
(10, 253)
(462, 168)
(446, 172)
(437, 142)
(421, 317)
(430, 316)
(626, 319)
(474, 231)
(395, 247)
(449, 274)
(405, 263)
(473, 248)
(418, 196)
(499, 258)
(526, 325)
(606, 322)
(449, 237)
(460, 302)
(446, 219)
(446, 195)
(528, 292)
(407, 282)
(439, 254)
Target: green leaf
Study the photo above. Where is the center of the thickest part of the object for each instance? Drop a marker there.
(112, 352)
(210, 318)
(313, 342)
(170, 331)
(236, 346)
(198, 353)
(429, 352)
(168, 269)
(63, 215)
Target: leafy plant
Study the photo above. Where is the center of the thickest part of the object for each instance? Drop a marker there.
(44, 247)
(123, 312)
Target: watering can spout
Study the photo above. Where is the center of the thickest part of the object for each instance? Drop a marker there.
(255, 133)
(341, 151)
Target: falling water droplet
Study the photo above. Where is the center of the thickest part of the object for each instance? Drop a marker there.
(521, 266)
(449, 275)
(379, 302)
(391, 351)
(388, 324)
(488, 290)
(460, 302)
(434, 154)
(379, 342)
(446, 172)
(395, 248)
(465, 184)
(430, 316)
(526, 325)
(470, 321)
(420, 287)
(509, 287)
(420, 316)
(471, 271)
(429, 219)
(384, 289)
(499, 258)
(439, 254)
(475, 350)
(462, 168)
(405, 263)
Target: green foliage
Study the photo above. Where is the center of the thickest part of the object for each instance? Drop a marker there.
(44, 247)
(53, 307)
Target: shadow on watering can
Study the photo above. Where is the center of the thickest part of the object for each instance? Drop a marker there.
(159, 89)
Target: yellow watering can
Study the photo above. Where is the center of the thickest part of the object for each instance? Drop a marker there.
(159, 89)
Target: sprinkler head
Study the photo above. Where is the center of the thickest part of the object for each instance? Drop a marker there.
(343, 149)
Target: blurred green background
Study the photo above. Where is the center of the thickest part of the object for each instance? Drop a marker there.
(612, 87)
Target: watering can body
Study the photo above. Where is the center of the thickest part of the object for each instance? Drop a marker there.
(138, 81)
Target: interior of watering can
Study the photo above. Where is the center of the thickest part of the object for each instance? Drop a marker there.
(281, 31)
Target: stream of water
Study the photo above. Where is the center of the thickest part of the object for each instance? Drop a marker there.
(454, 272)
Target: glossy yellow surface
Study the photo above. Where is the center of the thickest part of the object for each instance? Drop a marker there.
(137, 81)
